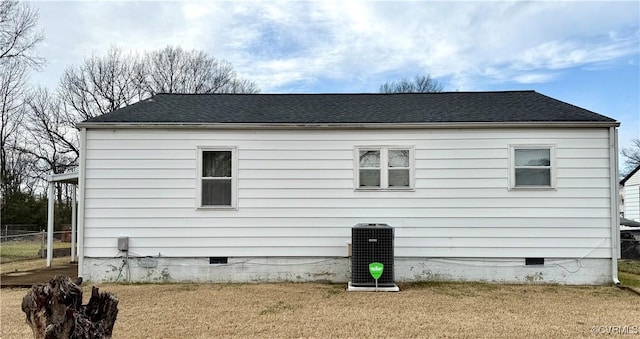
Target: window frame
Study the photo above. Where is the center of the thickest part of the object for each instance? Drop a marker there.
(234, 177)
(384, 167)
(552, 167)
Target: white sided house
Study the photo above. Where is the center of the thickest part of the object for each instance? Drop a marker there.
(631, 194)
(510, 187)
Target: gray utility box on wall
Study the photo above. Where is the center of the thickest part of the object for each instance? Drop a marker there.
(123, 244)
(371, 243)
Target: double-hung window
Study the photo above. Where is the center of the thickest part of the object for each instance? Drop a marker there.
(384, 168)
(217, 177)
(532, 166)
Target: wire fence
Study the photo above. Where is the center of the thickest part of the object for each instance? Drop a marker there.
(21, 244)
(630, 244)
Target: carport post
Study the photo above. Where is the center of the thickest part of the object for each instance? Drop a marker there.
(50, 214)
(74, 223)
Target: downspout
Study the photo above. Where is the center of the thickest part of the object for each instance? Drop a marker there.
(615, 215)
(81, 188)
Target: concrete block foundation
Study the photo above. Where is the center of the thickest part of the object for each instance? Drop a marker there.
(338, 270)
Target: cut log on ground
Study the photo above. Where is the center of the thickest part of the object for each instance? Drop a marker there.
(54, 311)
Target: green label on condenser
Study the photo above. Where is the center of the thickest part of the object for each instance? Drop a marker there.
(376, 268)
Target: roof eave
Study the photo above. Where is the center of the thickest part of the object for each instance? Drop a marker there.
(67, 178)
(628, 176)
(542, 124)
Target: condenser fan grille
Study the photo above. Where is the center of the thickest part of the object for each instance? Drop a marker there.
(371, 243)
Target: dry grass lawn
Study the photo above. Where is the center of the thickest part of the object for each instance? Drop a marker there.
(316, 310)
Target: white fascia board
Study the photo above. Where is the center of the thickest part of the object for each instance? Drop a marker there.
(69, 178)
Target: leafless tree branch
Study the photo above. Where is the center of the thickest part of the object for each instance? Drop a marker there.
(420, 84)
(18, 34)
(174, 70)
(632, 155)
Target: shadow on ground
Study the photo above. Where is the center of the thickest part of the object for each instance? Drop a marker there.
(37, 276)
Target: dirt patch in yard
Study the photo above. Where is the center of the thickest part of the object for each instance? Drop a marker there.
(317, 310)
(29, 265)
(28, 278)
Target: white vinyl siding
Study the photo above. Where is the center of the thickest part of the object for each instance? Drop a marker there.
(296, 197)
(631, 191)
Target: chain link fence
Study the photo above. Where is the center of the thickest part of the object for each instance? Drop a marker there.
(630, 244)
(26, 242)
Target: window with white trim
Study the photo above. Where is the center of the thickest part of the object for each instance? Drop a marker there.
(532, 166)
(217, 177)
(384, 168)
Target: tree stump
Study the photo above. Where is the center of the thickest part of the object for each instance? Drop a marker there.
(54, 311)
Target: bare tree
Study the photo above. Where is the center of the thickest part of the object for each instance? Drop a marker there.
(52, 142)
(174, 70)
(18, 38)
(18, 35)
(632, 155)
(102, 84)
(99, 85)
(12, 93)
(420, 84)
(20, 171)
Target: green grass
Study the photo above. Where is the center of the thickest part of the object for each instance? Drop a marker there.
(21, 250)
(629, 272)
(629, 266)
(627, 279)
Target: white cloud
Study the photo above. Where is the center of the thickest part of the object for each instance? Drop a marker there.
(565, 54)
(457, 40)
(278, 43)
(534, 78)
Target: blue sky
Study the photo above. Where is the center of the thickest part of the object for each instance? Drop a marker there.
(584, 53)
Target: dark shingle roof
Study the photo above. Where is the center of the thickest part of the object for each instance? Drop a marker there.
(446, 107)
